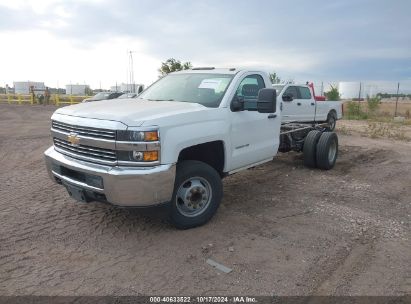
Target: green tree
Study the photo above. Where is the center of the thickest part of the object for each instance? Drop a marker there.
(173, 65)
(333, 93)
(274, 78)
(88, 91)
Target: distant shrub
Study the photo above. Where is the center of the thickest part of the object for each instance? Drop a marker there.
(373, 104)
(354, 111)
(333, 94)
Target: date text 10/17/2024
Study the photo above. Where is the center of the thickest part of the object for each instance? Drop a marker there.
(203, 299)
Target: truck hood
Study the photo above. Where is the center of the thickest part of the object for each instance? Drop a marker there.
(132, 112)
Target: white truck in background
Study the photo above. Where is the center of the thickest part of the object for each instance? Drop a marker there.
(177, 140)
(299, 105)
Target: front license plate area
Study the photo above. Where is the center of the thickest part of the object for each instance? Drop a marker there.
(77, 193)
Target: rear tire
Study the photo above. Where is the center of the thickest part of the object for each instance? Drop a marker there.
(198, 190)
(331, 122)
(327, 150)
(310, 148)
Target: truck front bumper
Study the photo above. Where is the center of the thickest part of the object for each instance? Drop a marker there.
(122, 186)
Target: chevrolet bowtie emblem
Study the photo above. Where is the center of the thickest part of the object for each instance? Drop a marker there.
(73, 139)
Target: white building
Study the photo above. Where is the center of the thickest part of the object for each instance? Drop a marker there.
(23, 87)
(77, 89)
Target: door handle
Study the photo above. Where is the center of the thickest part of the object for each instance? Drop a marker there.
(272, 116)
(313, 104)
(298, 103)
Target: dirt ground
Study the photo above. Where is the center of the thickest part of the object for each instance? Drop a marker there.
(283, 229)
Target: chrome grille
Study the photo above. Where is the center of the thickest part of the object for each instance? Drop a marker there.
(84, 131)
(93, 154)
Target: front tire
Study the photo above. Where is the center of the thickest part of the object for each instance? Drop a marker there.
(331, 122)
(198, 190)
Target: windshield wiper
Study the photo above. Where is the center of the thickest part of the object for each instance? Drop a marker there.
(160, 99)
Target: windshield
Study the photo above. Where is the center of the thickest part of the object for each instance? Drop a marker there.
(205, 89)
(101, 96)
(278, 88)
(127, 95)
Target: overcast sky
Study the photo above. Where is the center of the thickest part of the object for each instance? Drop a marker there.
(77, 41)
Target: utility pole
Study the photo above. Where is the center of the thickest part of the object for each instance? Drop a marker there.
(359, 94)
(396, 102)
(131, 71)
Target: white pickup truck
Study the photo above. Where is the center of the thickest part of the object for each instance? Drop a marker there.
(301, 106)
(176, 142)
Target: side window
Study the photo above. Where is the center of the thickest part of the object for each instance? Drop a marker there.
(292, 91)
(305, 92)
(248, 91)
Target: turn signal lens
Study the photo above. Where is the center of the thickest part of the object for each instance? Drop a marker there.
(151, 156)
(140, 136)
(151, 136)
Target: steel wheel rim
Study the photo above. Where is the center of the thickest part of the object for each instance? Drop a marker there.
(332, 123)
(193, 196)
(332, 151)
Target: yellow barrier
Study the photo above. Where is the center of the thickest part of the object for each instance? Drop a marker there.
(68, 99)
(55, 99)
(17, 98)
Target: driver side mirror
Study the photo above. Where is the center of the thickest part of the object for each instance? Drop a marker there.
(287, 97)
(267, 101)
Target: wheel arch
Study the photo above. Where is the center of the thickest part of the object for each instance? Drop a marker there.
(211, 153)
(332, 111)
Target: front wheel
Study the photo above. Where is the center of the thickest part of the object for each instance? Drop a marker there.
(197, 194)
(331, 121)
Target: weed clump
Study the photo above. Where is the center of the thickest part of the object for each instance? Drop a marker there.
(354, 111)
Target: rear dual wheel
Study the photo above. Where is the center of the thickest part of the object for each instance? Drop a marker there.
(310, 148)
(320, 150)
(327, 150)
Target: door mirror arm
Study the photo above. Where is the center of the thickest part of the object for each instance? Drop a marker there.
(237, 104)
(287, 97)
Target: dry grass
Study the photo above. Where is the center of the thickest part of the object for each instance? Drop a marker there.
(375, 129)
(386, 108)
(344, 130)
(386, 130)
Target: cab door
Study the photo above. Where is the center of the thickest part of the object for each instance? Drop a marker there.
(302, 106)
(307, 104)
(291, 104)
(254, 135)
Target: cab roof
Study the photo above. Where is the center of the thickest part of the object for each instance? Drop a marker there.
(209, 70)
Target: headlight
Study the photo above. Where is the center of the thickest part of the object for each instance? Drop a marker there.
(138, 156)
(130, 135)
(137, 146)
